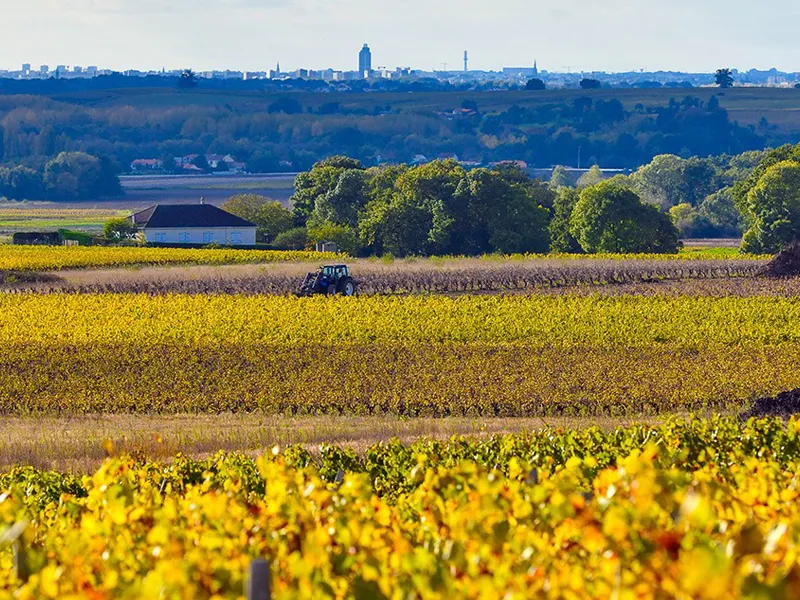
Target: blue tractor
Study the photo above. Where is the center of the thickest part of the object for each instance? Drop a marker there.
(329, 280)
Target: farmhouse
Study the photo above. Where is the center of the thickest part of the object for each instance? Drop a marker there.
(193, 224)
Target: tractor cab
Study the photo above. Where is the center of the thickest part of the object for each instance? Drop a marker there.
(329, 280)
(335, 271)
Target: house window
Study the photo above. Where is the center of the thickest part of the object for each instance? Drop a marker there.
(183, 237)
(208, 237)
(236, 237)
(161, 237)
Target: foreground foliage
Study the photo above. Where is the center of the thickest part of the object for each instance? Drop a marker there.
(701, 509)
(514, 356)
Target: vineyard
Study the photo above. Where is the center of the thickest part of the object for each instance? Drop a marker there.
(156, 380)
(411, 355)
(56, 258)
(428, 276)
(689, 509)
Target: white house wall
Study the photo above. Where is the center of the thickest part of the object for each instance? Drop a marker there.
(227, 236)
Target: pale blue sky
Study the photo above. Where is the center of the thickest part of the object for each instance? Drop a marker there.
(610, 35)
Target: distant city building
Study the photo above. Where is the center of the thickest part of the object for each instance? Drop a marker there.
(44, 70)
(365, 61)
(26, 69)
(522, 71)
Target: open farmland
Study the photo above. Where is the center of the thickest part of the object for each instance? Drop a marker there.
(142, 191)
(435, 356)
(36, 216)
(571, 378)
(577, 514)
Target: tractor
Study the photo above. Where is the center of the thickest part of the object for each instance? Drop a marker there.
(329, 280)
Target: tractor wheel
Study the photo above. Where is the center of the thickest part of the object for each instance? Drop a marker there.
(346, 287)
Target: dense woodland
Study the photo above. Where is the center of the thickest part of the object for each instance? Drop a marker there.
(293, 131)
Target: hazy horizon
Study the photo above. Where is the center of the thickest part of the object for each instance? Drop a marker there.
(253, 35)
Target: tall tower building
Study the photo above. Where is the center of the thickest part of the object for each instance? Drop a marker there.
(466, 61)
(365, 61)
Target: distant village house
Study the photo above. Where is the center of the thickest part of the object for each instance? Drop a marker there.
(141, 165)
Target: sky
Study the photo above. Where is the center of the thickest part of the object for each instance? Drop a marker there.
(562, 35)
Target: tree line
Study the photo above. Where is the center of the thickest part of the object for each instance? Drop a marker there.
(442, 208)
(70, 176)
(293, 132)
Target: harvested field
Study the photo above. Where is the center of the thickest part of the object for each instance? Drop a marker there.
(431, 276)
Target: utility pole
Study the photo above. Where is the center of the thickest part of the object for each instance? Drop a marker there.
(444, 67)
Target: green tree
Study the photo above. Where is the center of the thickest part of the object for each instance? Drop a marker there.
(561, 240)
(429, 190)
(119, 229)
(345, 201)
(661, 181)
(669, 180)
(79, 176)
(592, 177)
(270, 216)
(500, 210)
(187, 80)
(690, 222)
(772, 209)
(518, 224)
(560, 178)
(319, 181)
(610, 218)
(21, 183)
(293, 239)
(719, 209)
(535, 84)
(724, 78)
(343, 236)
(590, 84)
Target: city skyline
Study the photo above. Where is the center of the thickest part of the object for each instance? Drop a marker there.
(575, 35)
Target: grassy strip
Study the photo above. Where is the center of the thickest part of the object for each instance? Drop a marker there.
(79, 444)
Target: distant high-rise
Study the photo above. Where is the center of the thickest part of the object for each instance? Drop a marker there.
(365, 61)
(466, 61)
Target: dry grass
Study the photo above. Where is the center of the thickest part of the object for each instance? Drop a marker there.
(77, 444)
